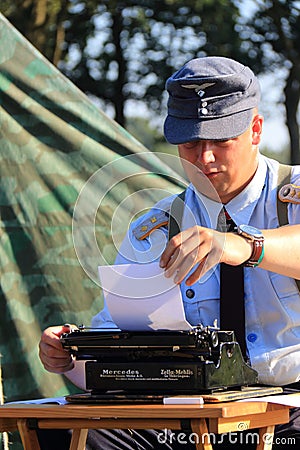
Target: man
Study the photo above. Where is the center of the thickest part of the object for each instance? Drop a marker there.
(214, 120)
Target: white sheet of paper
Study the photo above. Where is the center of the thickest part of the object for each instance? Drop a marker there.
(139, 297)
(292, 400)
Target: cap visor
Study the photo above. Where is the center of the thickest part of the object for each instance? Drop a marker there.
(181, 130)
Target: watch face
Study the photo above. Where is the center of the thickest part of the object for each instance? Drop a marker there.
(251, 230)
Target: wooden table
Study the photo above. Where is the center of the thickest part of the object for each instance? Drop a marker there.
(200, 419)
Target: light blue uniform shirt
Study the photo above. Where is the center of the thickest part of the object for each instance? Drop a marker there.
(272, 301)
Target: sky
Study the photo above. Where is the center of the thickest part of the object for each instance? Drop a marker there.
(275, 132)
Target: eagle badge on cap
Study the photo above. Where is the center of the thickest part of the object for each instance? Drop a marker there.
(198, 88)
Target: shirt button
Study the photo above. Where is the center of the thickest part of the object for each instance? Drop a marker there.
(190, 293)
(252, 337)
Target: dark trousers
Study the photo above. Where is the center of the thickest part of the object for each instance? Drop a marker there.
(115, 440)
(287, 436)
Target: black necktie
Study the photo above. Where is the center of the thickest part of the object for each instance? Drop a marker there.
(232, 307)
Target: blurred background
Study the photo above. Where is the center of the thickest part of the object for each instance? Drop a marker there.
(121, 52)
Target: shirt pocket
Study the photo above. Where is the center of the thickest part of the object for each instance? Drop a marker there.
(201, 300)
(205, 289)
(289, 297)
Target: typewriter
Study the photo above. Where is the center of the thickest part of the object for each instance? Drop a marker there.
(201, 360)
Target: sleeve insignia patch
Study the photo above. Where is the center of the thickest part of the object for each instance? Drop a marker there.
(145, 228)
(290, 193)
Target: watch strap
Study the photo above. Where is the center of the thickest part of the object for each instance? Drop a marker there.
(257, 253)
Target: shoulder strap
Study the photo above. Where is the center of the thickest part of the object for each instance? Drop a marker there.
(176, 214)
(284, 177)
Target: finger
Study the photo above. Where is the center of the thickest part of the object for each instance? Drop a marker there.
(187, 256)
(58, 368)
(50, 346)
(55, 360)
(51, 336)
(197, 273)
(168, 253)
(191, 260)
(182, 246)
(52, 351)
(198, 256)
(173, 263)
(207, 263)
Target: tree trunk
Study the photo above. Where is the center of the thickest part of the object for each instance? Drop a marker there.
(292, 98)
(118, 97)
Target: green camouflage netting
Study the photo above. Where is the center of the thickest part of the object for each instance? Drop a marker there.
(52, 140)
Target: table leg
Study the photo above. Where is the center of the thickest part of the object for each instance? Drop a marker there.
(78, 440)
(266, 435)
(28, 436)
(201, 434)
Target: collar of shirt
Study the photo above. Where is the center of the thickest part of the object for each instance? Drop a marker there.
(241, 207)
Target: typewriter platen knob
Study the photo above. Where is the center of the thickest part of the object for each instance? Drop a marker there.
(214, 339)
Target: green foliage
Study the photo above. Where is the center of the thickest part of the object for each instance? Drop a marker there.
(42, 22)
(139, 44)
(117, 50)
(272, 36)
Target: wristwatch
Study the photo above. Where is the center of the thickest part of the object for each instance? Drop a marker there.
(256, 237)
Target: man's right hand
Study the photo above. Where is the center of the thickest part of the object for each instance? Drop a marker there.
(52, 354)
